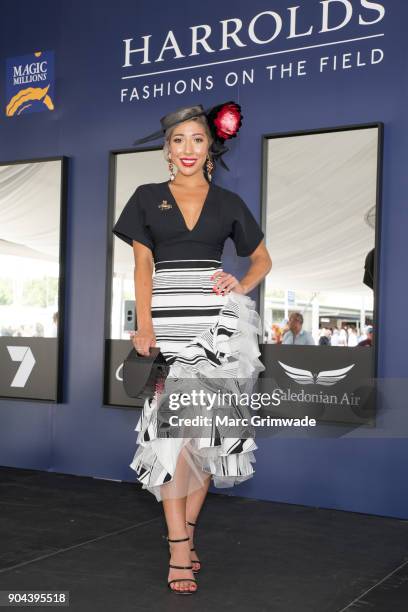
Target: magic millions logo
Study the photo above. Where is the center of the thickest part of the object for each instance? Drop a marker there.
(30, 83)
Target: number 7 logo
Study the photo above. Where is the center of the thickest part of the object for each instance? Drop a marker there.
(25, 355)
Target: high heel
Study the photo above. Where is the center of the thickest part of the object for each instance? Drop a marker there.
(195, 571)
(178, 591)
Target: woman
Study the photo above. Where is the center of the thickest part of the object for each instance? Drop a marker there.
(198, 314)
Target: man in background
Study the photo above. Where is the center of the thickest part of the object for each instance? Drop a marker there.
(296, 334)
(368, 341)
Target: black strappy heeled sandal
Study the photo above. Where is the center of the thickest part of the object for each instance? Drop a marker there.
(178, 591)
(195, 571)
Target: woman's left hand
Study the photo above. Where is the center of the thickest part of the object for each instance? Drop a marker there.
(225, 283)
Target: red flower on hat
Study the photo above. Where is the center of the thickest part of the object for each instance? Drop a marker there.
(227, 120)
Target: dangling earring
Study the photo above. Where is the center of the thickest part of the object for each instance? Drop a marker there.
(209, 166)
(171, 168)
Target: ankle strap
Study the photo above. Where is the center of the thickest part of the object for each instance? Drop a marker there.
(192, 524)
(181, 540)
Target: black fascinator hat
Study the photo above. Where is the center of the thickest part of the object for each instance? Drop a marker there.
(224, 122)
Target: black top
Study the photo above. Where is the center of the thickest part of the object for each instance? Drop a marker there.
(148, 218)
(368, 278)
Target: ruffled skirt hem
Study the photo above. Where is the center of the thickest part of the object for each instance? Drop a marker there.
(172, 467)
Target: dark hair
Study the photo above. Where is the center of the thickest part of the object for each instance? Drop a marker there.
(296, 315)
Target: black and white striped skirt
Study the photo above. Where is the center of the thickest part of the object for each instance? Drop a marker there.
(210, 342)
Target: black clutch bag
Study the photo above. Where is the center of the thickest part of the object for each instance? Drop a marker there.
(141, 373)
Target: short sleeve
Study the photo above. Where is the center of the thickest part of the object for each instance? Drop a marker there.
(131, 224)
(246, 232)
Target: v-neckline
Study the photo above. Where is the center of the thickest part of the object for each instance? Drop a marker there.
(179, 209)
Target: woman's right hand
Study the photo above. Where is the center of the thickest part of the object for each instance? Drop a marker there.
(143, 339)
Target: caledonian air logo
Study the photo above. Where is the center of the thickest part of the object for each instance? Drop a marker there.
(30, 83)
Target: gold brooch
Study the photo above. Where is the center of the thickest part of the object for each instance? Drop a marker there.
(165, 205)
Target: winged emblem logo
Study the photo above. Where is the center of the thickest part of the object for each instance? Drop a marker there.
(306, 377)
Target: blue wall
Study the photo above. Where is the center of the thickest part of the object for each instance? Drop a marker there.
(82, 436)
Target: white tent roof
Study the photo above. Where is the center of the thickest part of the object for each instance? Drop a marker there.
(320, 189)
(30, 209)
